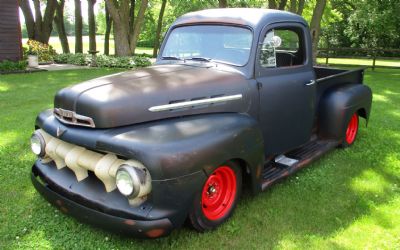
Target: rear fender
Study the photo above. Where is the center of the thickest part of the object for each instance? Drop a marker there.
(338, 105)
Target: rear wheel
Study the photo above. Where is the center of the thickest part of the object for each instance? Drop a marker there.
(218, 198)
(351, 131)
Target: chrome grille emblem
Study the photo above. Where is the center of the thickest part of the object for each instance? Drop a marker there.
(70, 117)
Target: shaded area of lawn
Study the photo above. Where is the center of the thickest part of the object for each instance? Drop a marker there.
(348, 199)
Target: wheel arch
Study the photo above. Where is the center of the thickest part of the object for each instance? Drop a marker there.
(338, 105)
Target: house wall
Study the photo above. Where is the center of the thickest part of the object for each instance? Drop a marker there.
(10, 31)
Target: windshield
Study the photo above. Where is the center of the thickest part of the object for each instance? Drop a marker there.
(220, 43)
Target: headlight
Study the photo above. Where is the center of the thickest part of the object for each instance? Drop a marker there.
(38, 144)
(128, 180)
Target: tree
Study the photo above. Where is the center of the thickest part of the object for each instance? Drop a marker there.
(107, 33)
(159, 26)
(300, 7)
(223, 3)
(60, 26)
(297, 6)
(126, 25)
(78, 27)
(374, 24)
(40, 27)
(315, 26)
(92, 25)
(273, 4)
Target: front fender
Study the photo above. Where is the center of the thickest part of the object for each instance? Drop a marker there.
(176, 147)
(180, 147)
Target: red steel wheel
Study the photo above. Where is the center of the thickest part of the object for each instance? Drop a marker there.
(218, 197)
(351, 131)
(219, 193)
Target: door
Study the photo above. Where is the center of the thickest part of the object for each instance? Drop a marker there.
(287, 88)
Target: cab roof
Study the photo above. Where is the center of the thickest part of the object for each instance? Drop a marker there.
(252, 17)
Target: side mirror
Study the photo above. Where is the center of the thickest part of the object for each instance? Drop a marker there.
(273, 42)
(276, 41)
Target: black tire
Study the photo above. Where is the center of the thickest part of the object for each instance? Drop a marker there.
(351, 132)
(200, 217)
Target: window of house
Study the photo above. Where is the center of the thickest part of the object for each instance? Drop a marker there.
(283, 47)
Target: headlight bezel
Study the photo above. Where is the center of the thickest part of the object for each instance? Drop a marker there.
(135, 179)
(42, 144)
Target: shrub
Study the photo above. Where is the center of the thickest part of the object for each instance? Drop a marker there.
(45, 52)
(104, 61)
(115, 62)
(141, 61)
(25, 52)
(6, 66)
(122, 62)
(144, 55)
(76, 59)
(61, 58)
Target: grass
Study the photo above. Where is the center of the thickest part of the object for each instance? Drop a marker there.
(349, 199)
(361, 62)
(55, 42)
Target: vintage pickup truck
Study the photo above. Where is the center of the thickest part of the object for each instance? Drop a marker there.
(233, 100)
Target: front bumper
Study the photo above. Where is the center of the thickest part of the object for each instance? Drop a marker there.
(87, 202)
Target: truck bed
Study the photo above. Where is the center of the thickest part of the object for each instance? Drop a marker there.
(330, 77)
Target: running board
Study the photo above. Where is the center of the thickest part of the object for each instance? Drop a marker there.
(291, 162)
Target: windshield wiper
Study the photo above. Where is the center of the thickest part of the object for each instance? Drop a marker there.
(171, 58)
(203, 59)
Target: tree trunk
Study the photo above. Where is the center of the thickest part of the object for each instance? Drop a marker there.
(78, 27)
(47, 24)
(120, 26)
(282, 4)
(300, 7)
(138, 25)
(223, 3)
(132, 18)
(59, 20)
(315, 26)
(159, 27)
(107, 33)
(271, 4)
(293, 6)
(121, 38)
(92, 25)
(29, 20)
(38, 20)
(125, 36)
(40, 28)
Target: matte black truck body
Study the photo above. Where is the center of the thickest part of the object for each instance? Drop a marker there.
(183, 121)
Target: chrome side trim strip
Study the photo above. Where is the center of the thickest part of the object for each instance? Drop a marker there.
(188, 104)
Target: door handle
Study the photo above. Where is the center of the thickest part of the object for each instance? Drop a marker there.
(310, 83)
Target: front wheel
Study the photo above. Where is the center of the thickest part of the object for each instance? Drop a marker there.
(218, 198)
(351, 131)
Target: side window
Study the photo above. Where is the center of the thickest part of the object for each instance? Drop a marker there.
(283, 47)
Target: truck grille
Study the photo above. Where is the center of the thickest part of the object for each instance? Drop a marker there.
(81, 160)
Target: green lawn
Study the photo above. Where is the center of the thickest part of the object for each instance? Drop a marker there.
(350, 199)
(361, 62)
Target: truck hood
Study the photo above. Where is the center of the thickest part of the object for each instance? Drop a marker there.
(133, 96)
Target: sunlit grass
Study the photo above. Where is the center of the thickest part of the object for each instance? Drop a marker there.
(349, 199)
(361, 62)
